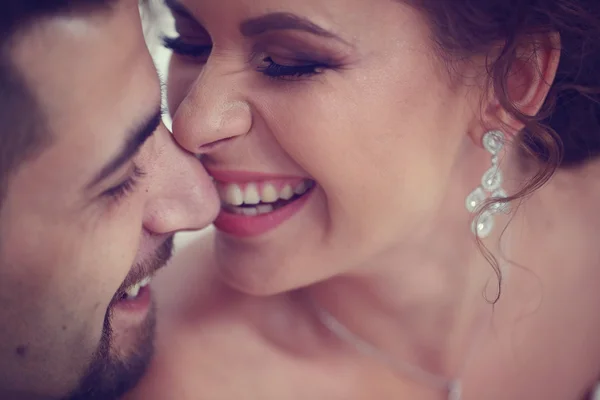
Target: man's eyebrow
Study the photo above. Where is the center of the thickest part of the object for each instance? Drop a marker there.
(135, 139)
(283, 21)
(178, 9)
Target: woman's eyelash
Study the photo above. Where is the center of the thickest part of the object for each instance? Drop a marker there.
(269, 67)
(126, 187)
(178, 46)
(274, 70)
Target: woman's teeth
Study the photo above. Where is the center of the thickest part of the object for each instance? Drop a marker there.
(132, 291)
(256, 198)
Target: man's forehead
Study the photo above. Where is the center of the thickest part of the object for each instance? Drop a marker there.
(94, 63)
(79, 44)
(92, 77)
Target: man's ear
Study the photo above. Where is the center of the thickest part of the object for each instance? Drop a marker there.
(528, 83)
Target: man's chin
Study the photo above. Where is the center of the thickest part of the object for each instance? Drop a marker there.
(113, 370)
(127, 344)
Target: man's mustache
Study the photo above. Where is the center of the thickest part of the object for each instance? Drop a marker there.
(146, 268)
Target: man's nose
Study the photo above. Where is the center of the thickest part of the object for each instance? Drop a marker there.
(181, 195)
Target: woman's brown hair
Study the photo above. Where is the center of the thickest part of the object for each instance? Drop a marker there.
(565, 133)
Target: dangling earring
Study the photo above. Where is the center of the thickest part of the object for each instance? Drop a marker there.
(491, 187)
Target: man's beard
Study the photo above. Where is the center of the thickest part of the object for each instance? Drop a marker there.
(109, 376)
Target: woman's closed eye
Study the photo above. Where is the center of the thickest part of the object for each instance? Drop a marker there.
(196, 52)
(273, 69)
(267, 65)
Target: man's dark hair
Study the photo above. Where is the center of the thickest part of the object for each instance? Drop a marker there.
(22, 124)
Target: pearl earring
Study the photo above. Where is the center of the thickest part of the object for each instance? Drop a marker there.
(491, 187)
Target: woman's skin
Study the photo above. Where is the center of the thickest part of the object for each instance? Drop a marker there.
(370, 115)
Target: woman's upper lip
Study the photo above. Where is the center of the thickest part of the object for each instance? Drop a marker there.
(239, 176)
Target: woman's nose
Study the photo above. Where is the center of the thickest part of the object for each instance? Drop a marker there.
(212, 112)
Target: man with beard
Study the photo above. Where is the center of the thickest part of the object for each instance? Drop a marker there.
(92, 189)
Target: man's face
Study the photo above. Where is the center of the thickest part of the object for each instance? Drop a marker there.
(92, 214)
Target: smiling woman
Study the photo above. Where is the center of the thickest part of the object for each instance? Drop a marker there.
(380, 165)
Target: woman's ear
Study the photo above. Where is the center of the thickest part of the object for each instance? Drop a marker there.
(528, 82)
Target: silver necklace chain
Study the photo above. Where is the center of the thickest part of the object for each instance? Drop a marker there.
(452, 387)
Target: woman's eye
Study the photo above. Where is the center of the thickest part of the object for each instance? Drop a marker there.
(267, 66)
(179, 47)
(274, 70)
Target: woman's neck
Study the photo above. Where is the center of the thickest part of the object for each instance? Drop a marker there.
(426, 303)
(422, 305)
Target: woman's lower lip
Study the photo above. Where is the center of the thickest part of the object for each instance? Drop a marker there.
(246, 226)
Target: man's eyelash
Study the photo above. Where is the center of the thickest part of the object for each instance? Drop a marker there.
(126, 187)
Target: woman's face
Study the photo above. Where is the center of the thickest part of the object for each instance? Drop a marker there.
(345, 101)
